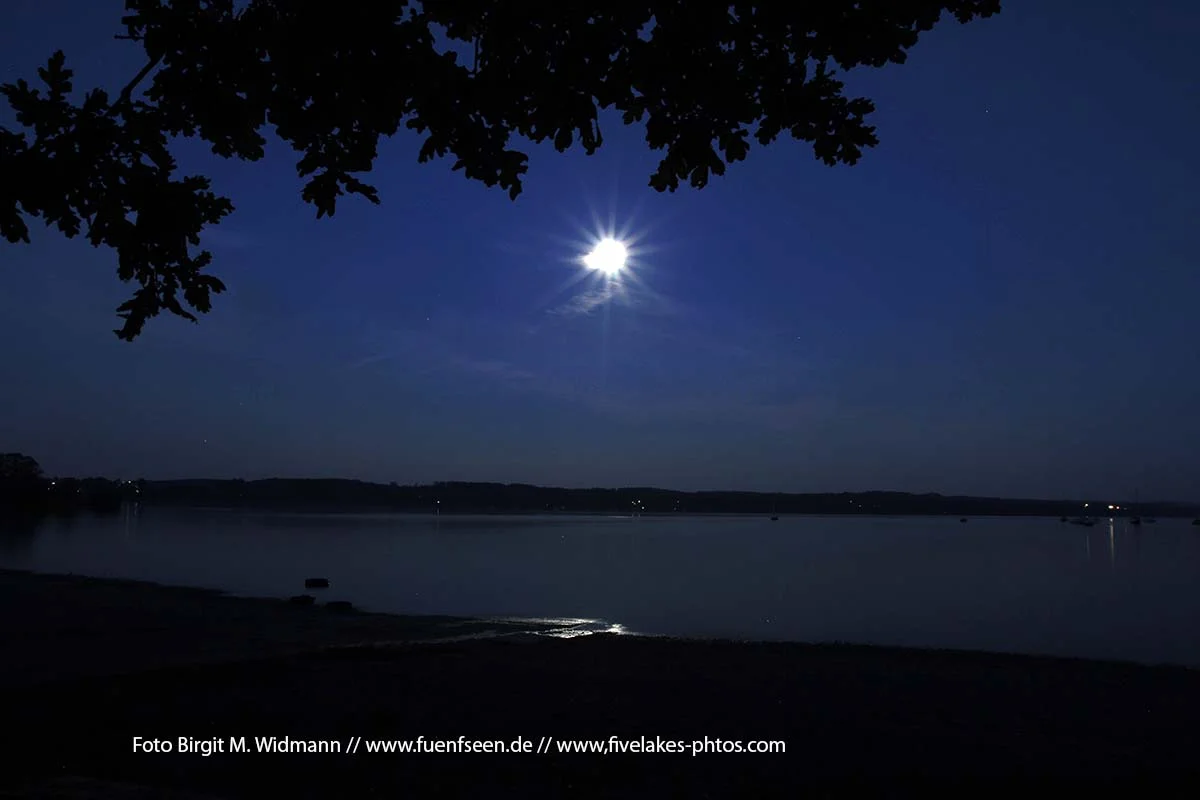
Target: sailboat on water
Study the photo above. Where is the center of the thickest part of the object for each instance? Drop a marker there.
(1138, 519)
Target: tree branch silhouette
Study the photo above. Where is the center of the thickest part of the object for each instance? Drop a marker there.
(702, 78)
(126, 95)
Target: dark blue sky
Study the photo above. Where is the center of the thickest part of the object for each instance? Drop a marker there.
(1001, 298)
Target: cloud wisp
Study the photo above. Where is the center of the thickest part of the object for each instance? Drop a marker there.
(628, 291)
(583, 303)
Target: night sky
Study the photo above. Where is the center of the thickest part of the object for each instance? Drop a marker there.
(1002, 298)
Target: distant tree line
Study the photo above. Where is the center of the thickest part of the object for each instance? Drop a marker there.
(461, 497)
(24, 489)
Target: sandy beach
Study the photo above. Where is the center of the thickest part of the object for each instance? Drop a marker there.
(86, 665)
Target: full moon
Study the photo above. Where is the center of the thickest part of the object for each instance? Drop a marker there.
(608, 256)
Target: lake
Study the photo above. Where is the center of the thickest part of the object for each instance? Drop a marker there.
(1022, 585)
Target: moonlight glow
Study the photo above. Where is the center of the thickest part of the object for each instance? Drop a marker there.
(608, 256)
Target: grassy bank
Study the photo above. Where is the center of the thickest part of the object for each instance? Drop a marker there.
(89, 664)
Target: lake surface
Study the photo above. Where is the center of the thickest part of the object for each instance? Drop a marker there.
(1003, 584)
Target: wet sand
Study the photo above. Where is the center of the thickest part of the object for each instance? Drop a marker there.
(85, 665)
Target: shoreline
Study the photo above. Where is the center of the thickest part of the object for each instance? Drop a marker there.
(91, 662)
(607, 514)
(386, 629)
(150, 625)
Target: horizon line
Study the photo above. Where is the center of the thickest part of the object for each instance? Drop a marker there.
(1126, 502)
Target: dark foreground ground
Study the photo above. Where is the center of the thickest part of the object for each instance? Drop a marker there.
(87, 665)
